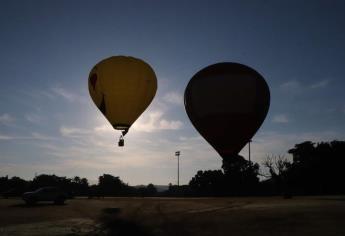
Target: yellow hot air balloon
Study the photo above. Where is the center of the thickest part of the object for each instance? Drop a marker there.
(122, 88)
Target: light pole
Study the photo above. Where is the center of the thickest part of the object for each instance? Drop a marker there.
(178, 167)
(249, 148)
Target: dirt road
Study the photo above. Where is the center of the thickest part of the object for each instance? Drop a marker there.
(177, 216)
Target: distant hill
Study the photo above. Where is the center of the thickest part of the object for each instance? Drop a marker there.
(160, 188)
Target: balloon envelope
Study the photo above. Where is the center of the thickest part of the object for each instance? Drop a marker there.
(227, 103)
(122, 88)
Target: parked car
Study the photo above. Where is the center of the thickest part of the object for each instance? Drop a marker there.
(45, 194)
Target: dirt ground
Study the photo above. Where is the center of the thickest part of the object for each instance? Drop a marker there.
(176, 216)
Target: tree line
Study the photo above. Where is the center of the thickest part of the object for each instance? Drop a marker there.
(315, 168)
(108, 185)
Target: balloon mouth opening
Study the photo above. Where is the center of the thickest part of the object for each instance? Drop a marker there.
(124, 130)
(121, 127)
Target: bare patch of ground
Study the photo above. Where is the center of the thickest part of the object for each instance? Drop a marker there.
(70, 227)
(177, 216)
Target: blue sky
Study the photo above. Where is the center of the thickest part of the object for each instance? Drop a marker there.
(48, 123)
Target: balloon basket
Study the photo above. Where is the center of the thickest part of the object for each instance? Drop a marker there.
(121, 142)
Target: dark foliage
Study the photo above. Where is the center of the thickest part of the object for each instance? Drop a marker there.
(278, 182)
(17, 186)
(147, 191)
(109, 185)
(240, 177)
(209, 182)
(14, 186)
(317, 168)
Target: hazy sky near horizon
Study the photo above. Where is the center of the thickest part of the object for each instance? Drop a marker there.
(49, 124)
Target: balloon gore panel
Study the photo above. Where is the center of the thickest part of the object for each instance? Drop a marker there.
(227, 103)
(122, 88)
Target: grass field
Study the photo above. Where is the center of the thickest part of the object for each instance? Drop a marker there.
(177, 216)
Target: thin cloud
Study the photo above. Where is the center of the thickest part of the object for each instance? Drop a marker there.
(6, 119)
(296, 86)
(154, 122)
(40, 136)
(281, 118)
(32, 136)
(320, 84)
(5, 137)
(33, 118)
(64, 93)
(100, 152)
(173, 98)
(183, 138)
(73, 132)
(292, 85)
(102, 129)
(170, 125)
(68, 95)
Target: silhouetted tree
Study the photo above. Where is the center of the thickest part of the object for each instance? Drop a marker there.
(147, 191)
(208, 183)
(278, 167)
(109, 185)
(80, 186)
(241, 176)
(151, 190)
(3, 184)
(14, 186)
(318, 168)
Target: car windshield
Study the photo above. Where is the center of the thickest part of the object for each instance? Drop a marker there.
(47, 189)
